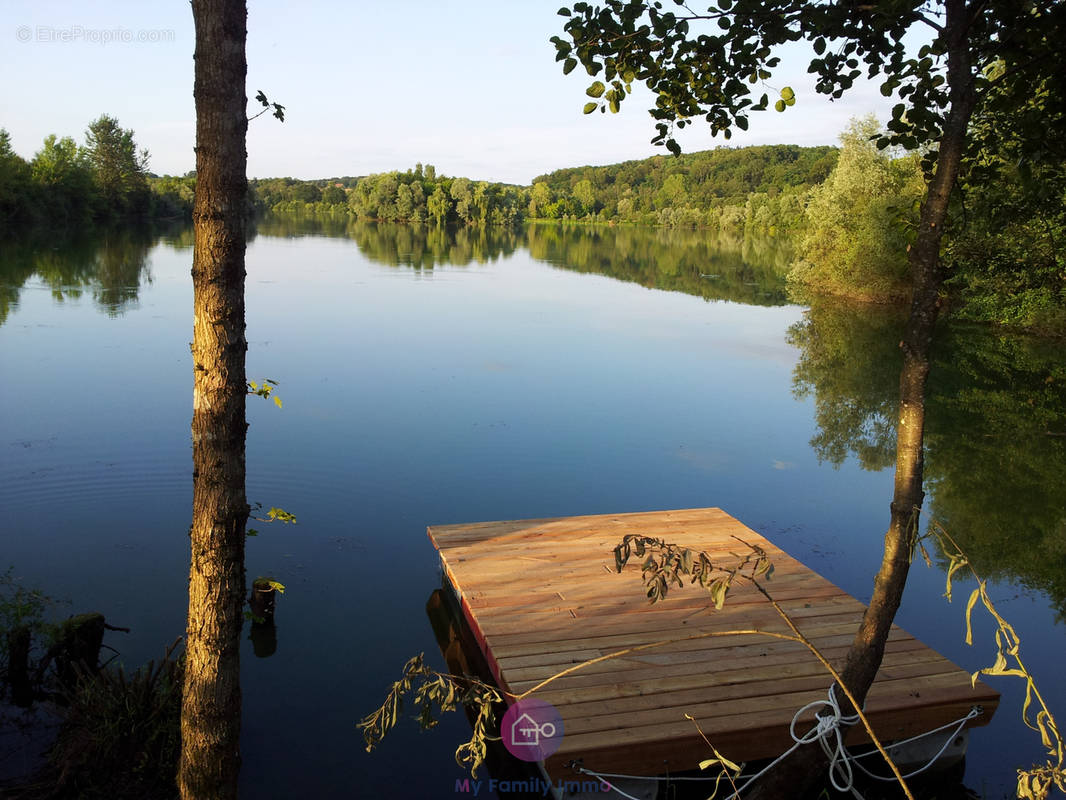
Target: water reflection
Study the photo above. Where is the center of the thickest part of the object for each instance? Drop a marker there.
(424, 247)
(462, 656)
(849, 362)
(77, 481)
(112, 266)
(995, 438)
(108, 266)
(673, 259)
(421, 247)
(294, 226)
(749, 271)
(261, 604)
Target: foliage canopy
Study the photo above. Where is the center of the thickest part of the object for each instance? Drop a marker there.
(716, 63)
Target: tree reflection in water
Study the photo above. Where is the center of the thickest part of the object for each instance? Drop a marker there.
(996, 436)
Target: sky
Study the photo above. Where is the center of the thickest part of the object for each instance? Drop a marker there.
(471, 87)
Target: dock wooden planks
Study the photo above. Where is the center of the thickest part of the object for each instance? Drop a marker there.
(541, 595)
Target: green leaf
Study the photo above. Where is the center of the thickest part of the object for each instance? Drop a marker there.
(589, 108)
(596, 90)
(281, 515)
(563, 12)
(568, 65)
(614, 105)
(787, 94)
(742, 123)
(779, 105)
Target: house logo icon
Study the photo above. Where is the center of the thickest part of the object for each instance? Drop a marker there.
(526, 731)
(531, 729)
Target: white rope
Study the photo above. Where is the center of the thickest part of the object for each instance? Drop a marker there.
(826, 727)
(958, 725)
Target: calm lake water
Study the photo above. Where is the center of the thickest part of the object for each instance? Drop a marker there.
(432, 377)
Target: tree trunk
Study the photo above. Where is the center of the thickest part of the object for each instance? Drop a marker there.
(211, 703)
(808, 764)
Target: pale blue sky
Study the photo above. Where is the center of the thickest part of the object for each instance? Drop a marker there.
(469, 86)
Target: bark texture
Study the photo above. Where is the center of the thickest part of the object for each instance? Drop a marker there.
(211, 702)
(797, 774)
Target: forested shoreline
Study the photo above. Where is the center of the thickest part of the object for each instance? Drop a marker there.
(105, 180)
(847, 214)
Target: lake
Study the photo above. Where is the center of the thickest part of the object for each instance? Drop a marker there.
(432, 377)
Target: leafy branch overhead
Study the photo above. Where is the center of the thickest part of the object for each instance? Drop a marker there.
(279, 110)
(274, 514)
(666, 565)
(1034, 783)
(436, 690)
(717, 63)
(264, 389)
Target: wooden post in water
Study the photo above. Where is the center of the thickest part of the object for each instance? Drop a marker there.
(262, 601)
(264, 635)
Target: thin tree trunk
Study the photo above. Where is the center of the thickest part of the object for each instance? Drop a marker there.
(867, 649)
(211, 703)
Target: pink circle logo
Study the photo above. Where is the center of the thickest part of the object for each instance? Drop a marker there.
(531, 729)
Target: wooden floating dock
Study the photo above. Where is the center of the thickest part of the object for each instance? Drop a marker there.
(542, 595)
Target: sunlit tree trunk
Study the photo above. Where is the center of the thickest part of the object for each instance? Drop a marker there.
(867, 649)
(211, 703)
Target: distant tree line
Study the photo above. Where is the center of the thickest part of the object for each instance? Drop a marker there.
(847, 215)
(104, 179)
(418, 195)
(754, 190)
